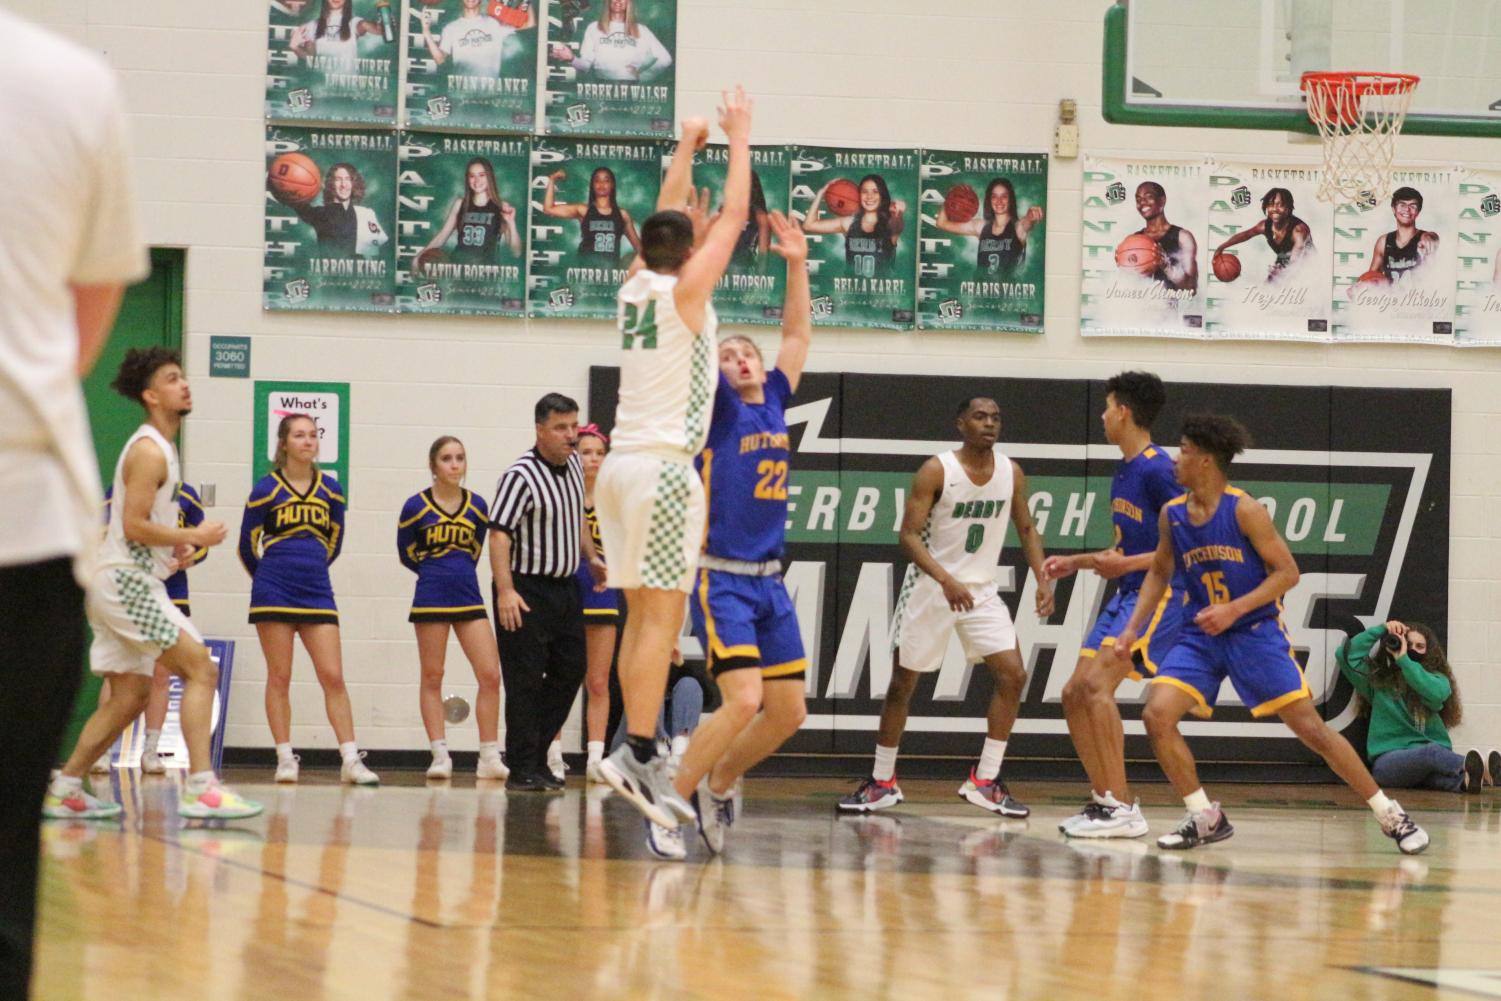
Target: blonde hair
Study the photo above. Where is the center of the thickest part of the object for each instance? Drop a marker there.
(631, 27)
(282, 430)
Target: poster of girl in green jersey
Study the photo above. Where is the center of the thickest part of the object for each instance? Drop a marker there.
(858, 209)
(330, 210)
(983, 241)
(332, 60)
(472, 64)
(588, 200)
(610, 67)
(461, 216)
(754, 284)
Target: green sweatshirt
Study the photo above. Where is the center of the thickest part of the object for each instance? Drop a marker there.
(1392, 726)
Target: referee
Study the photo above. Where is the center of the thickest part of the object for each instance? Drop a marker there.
(537, 533)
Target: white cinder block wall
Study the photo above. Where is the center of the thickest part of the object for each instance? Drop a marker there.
(860, 72)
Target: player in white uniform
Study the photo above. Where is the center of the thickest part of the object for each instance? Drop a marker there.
(649, 500)
(952, 530)
(133, 619)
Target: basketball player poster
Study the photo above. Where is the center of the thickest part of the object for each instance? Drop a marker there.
(330, 210)
(1144, 228)
(461, 216)
(983, 245)
(1269, 245)
(472, 64)
(588, 201)
(332, 60)
(1394, 272)
(611, 67)
(754, 284)
(858, 208)
(1479, 260)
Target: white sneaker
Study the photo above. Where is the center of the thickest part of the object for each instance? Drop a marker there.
(715, 816)
(1119, 821)
(671, 765)
(492, 768)
(1398, 826)
(441, 768)
(355, 772)
(558, 767)
(646, 786)
(286, 769)
(592, 774)
(151, 763)
(665, 842)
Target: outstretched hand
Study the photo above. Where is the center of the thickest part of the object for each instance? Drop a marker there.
(735, 114)
(697, 211)
(790, 243)
(696, 131)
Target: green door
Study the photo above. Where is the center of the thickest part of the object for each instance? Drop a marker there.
(151, 314)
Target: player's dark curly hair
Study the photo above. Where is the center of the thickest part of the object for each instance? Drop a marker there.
(1408, 195)
(1139, 392)
(969, 401)
(137, 369)
(1275, 193)
(356, 184)
(1222, 437)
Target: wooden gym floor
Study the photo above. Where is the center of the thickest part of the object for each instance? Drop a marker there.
(448, 891)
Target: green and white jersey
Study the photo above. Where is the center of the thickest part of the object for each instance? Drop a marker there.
(967, 524)
(118, 551)
(668, 373)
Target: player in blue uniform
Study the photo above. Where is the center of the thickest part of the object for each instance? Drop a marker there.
(292, 530)
(439, 536)
(1235, 569)
(189, 515)
(1142, 484)
(741, 610)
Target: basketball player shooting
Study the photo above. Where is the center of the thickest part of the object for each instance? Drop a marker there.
(651, 505)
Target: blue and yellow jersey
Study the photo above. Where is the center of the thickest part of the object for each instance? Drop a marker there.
(744, 466)
(296, 530)
(1216, 562)
(432, 541)
(1141, 486)
(189, 515)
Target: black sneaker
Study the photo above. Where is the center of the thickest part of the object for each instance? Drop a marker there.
(1493, 767)
(1474, 773)
(528, 781)
(1202, 828)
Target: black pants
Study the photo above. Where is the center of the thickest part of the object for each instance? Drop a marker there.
(543, 665)
(41, 665)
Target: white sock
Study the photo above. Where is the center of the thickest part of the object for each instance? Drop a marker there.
(1105, 799)
(153, 737)
(885, 766)
(1196, 801)
(990, 760)
(64, 784)
(200, 781)
(349, 751)
(596, 750)
(680, 745)
(489, 749)
(440, 749)
(555, 751)
(1379, 803)
(284, 752)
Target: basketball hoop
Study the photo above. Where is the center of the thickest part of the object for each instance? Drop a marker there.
(1359, 116)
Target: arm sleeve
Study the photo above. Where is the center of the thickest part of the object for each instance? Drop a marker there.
(192, 517)
(482, 522)
(336, 508)
(512, 501)
(726, 402)
(1351, 658)
(251, 526)
(588, 49)
(1434, 689)
(111, 245)
(661, 58)
(406, 532)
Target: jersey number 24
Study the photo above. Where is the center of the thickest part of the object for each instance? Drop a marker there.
(639, 326)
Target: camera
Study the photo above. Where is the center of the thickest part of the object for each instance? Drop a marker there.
(1392, 642)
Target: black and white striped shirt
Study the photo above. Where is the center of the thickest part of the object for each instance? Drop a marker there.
(541, 507)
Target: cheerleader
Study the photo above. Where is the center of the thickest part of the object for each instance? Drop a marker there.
(292, 530)
(439, 537)
(601, 612)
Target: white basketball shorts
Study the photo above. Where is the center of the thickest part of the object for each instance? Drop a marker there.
(651, 519)
(925, 621)
(133, 621)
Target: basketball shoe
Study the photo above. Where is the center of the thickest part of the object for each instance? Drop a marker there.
(872, 795)
(1099, 820)
(1202, 828)
(992, 795)
(1398, 826)
(77, 804)
(215, 802)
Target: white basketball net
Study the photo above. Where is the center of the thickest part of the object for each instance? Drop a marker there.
(1359, 116)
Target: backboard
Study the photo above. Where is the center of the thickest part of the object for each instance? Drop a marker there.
(1237, 63)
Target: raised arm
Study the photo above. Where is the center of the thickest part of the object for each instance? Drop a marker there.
(815, 223)
(677, 186)
(433, 48)
(550, 206)
(1031, 539)
(513, 234)
(797, 308)
(703, 270)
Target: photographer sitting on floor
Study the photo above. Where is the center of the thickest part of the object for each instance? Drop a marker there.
(1402, 673)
